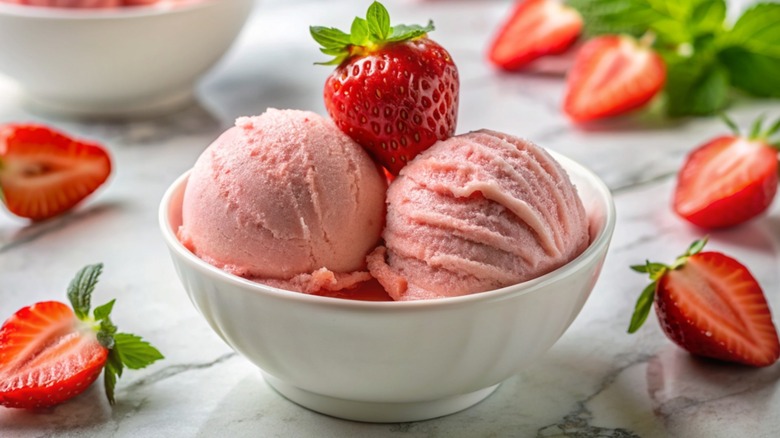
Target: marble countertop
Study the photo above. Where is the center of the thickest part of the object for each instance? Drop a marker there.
(597, 381)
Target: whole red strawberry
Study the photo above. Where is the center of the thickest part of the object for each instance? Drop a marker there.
(43, 172)
(395, 91)
(730, 179)
(50, 353)
(709, 304)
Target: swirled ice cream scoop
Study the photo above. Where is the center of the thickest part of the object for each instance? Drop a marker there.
(477, 212)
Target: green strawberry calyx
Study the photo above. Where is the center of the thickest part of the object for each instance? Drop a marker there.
(124, 349)
(366, 35)
(657, 270)
(757, 131)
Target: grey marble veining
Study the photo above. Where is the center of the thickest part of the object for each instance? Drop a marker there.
(597, 381)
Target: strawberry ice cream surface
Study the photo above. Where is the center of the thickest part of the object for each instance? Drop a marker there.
(288, 200)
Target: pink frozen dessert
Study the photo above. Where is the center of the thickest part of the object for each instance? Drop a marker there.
(94, 4)
(288, 200)
(474, 213)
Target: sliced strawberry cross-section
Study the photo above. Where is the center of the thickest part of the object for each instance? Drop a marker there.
(44, 173)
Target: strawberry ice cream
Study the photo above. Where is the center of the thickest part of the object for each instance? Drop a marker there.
(477, 212)
(285, 199)
(82, 3)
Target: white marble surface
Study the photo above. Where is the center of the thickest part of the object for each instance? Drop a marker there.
(597, 381)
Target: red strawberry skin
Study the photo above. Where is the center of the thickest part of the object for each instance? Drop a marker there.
(395, 101)
(713, 307)
(46, 357)
(726, 182)
(535, 28)
(43, 173)
(612, 75)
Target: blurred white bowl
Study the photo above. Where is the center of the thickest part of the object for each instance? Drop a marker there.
(115, 62)
(393, 361)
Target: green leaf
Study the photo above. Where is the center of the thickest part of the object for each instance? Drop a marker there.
(632, 17)
(643, 305)
(708, 15)
(404, 32)
(656, 270)
(755, 130)
(640, 268)
(329, 37)
(697, 246)
(102, 312)
(378, 21)
(81, 287)
(359, 32)
(696, 86)
(112, 371)
(134, 352)
(772, 129)
(730, 123)
(751, 50)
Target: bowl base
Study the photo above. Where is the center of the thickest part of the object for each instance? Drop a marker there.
(372, 412)
(144, 108)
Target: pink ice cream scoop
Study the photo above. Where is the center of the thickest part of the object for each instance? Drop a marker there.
(285, 199)
(477, 212)
(81, 3)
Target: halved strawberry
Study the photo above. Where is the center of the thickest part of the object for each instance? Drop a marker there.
(612, 75)
(710, 304)
(50, 353)
(44, 173)
(728, 180)
(535, 28)
(395, 91)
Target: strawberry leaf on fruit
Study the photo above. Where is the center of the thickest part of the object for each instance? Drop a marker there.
(81, 287)
(134, 352)
(643, 305)
(657, 270)
(404, 32)
(378, 21)
(365, 34)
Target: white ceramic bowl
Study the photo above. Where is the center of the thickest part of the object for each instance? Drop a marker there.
(393, 361)
(115, 62)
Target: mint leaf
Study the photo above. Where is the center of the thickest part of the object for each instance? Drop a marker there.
(752, 72)
(643, 305)
(695, 87)
(632, 17)
(751, 50)
(378, 21)
(81, 287)
(134, 352)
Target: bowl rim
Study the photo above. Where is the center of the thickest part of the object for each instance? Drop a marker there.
(118, 13)
(601, 242)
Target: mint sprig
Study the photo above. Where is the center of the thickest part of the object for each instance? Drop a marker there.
(706, 56)
(656, 271)
(124, 349)
(366, 34)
